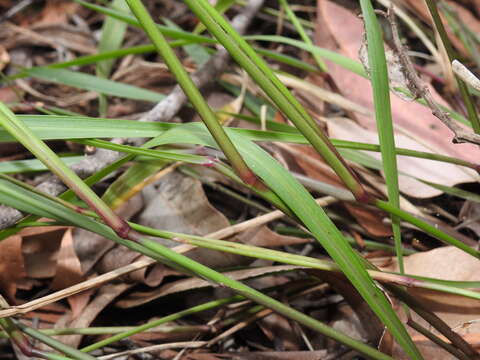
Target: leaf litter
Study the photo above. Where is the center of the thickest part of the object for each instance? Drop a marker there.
(56, 258)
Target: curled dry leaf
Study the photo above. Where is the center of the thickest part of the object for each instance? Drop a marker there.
(411, 120)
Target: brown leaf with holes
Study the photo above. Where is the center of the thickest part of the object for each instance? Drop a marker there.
(12, 267)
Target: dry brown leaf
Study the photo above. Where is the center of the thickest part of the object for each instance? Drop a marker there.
(281, 332)
(68, 265)
(40, 249)
(69, 272)
(369, 327)
(460, 313)
(370, 219)
(178, 203)
(9, 94)
(412, 120)
(4, 57)
(12, 267)
(428, 170)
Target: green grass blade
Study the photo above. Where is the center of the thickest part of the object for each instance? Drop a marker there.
(299, 27)
(113, 32)
(32, 165)
(93, 83)
(52, 127)
(383, 113)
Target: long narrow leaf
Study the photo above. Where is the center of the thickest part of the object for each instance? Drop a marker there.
(383, 113)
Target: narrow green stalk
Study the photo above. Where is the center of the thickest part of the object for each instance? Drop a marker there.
(246, 57)
(192, 92)
(467, 99)
(383, 114)
(308, 262)
(172, 317)
(429, 229)
(301, 31)
(367, 244)
(343, 144)
(37, 147)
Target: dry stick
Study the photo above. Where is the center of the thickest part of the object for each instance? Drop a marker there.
(164, 111)
(419, 89)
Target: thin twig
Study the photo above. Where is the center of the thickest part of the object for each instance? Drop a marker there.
(419, 89)
(164, 111)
